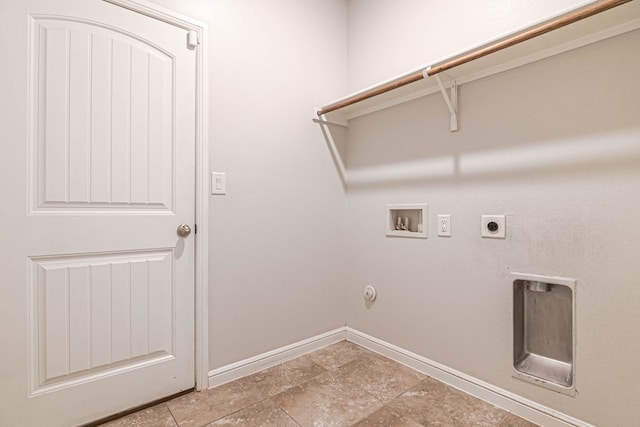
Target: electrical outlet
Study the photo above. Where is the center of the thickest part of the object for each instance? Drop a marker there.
(444, 225)
(493, 227)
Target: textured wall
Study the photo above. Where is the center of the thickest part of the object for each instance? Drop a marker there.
(387, 38)
(555, 145)
(277, 237)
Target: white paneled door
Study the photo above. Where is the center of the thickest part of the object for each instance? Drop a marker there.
(98, 288)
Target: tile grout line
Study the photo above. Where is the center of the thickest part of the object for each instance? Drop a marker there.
(289, 415)
(239, 410)
(330, 363)
(171, 413)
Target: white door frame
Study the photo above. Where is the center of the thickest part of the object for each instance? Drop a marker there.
(201, 304)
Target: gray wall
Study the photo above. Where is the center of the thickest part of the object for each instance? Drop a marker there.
(276, 263)
(555, 145)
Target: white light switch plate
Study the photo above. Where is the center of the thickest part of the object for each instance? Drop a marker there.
(218, 183)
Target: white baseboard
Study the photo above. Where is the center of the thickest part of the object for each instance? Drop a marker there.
(271, 358)
(501, 398)
(497, 396)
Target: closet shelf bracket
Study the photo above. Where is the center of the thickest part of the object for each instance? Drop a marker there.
(451, 99)
(321, 119)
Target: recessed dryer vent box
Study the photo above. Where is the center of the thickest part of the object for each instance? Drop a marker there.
(407, 220)
(544, 331)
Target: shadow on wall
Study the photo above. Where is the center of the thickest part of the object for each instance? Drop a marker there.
(563, 115)
(560, 159)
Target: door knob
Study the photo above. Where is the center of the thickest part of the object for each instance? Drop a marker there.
(184, 230)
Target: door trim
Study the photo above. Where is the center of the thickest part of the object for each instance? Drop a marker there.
(201, 304)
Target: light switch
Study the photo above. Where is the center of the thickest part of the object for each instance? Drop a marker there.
(218, 183)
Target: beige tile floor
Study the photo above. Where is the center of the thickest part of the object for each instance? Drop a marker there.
(340, 385)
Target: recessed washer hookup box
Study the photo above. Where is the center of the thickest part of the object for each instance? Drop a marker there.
(544, 331)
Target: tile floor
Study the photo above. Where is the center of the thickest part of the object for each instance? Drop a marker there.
(340, 385)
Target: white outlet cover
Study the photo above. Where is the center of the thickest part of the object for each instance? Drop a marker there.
(486, 231)
(444, 225)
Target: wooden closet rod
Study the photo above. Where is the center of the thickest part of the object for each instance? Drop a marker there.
(528, 34)
(525, 35)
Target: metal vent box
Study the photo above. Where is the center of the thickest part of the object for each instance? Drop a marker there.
(544, 331)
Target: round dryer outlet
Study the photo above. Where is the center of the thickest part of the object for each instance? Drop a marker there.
(493, 226)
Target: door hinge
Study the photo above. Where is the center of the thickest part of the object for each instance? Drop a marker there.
(192, 39)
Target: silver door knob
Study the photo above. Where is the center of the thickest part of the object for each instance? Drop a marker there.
(184, 230)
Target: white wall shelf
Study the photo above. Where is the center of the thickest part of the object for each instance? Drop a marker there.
(611, 23)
